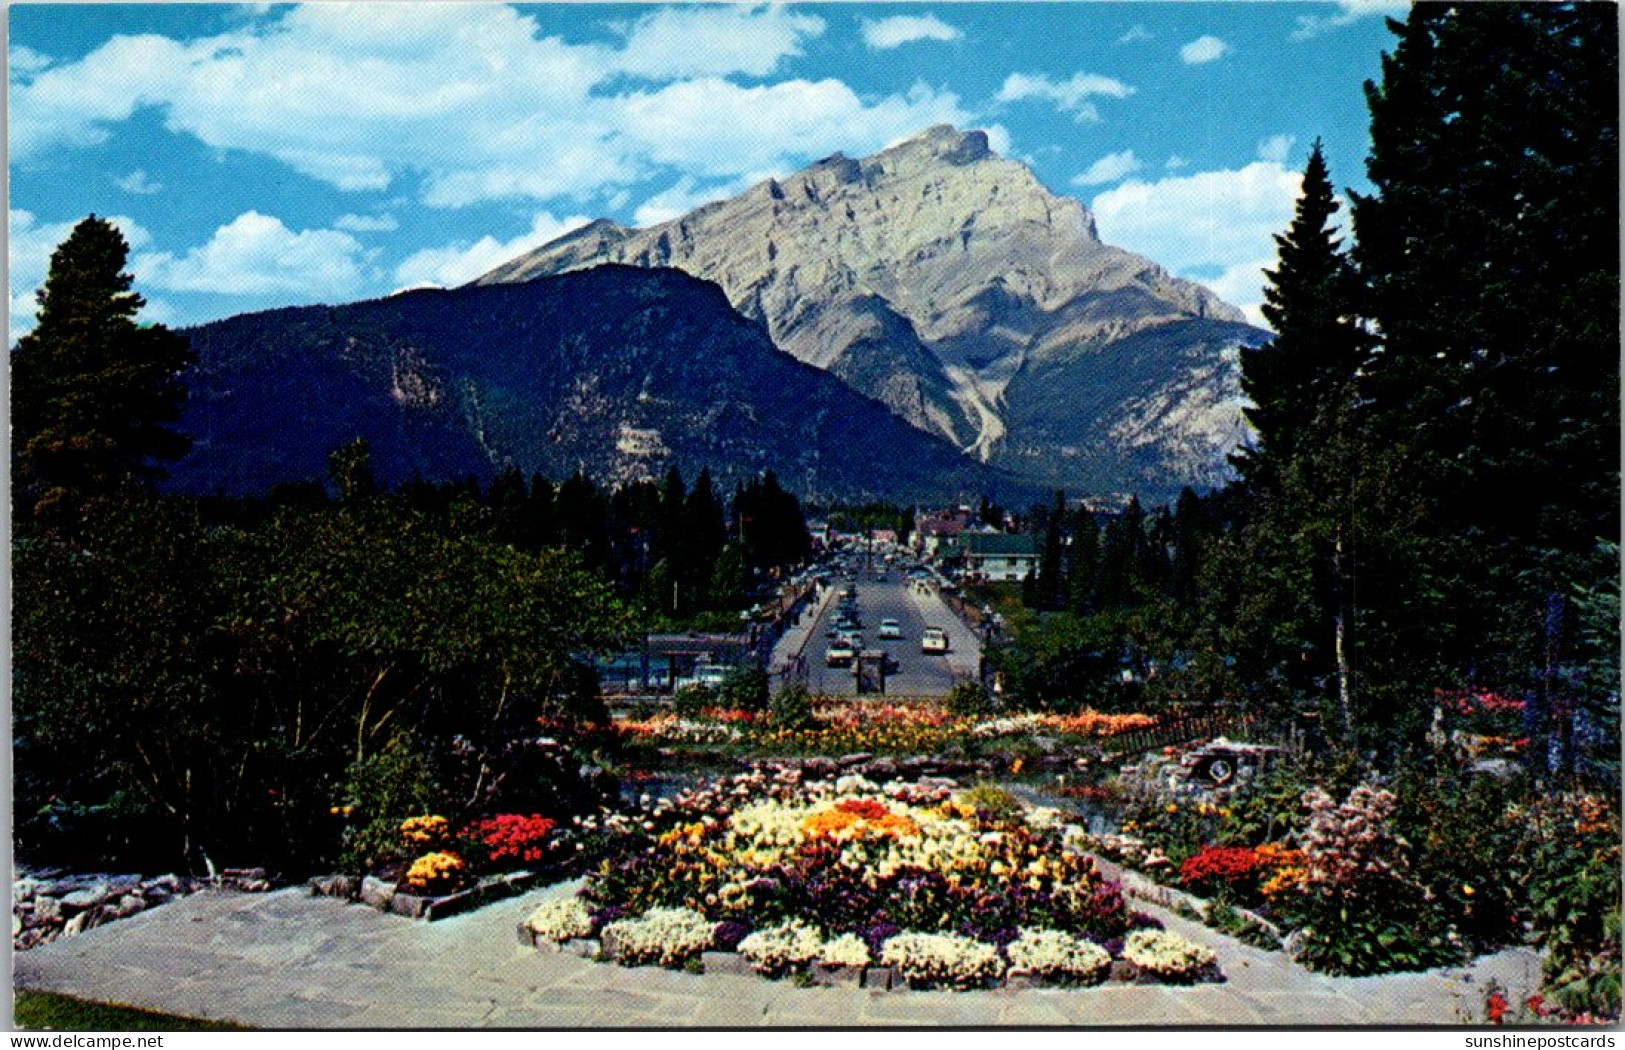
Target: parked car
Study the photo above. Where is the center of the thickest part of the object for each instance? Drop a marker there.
(891, 629)
(840, 653)
(708, 675)
(934, 640)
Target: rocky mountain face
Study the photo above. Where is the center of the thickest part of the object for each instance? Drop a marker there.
(621, 371)
(949, 284)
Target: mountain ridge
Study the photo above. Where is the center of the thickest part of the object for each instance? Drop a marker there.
(929, 276)
(620, 371)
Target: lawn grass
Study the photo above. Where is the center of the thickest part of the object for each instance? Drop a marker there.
(39, 1011)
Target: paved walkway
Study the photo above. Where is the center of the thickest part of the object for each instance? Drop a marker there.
(288, 960)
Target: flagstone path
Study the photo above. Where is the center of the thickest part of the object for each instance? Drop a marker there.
(289, 960)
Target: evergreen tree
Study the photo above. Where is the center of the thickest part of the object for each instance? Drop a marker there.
(94, 393)
(1298, 376)
(1490, 247)
(1491, 251)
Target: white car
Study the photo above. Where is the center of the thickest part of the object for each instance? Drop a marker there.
(891, 629)
(840, 654)
(708, 675)
(934, 640)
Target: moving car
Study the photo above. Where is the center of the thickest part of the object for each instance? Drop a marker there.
(891, 629)
(840, 653)
(934, 640)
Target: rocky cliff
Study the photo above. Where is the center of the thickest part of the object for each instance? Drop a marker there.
(949, 284)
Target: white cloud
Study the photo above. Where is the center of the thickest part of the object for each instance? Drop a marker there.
(1175, 162)
(1349, 11)
(256, 254)
(1135, 34)
(712, 41)
(886, 33)
(29, 246)
(1203, 49)
(719, 129)
(1276, 148)
(460, 263)
(367, 223)
(138, 182)
(474, 102)
(1110, 168)
(1070, 96)
(679, 199)
(1208, 222)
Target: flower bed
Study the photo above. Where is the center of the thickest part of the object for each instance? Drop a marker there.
(898, 728)
(807, 876)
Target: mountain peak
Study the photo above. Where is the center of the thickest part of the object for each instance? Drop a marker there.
(929, 276)
(943, 142)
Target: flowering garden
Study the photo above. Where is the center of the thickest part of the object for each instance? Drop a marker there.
(807, 866)
(942, 888)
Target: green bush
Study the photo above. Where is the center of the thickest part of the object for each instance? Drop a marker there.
(383, 789)
(791, 707)
(967, 699)
(992, 800)
(744, 688)
(692, 699)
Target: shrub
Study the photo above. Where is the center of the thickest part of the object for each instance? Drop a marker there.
(560, 920)
(1168, 955)
(783, 947)
(744, 688)
(384, 789)
(692, 699)
(943, 959)
(433, 873)
(1058, 956)
(991, 801)
(967, 699)
(667, 936)
(1358, 909)
(791, 708)
(430, 832)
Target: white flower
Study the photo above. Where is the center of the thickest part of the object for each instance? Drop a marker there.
(846, 950)
(779, 947)
(561, 919)
(662, 935)
(943, 958)
(1167, 954)
(1051, 953)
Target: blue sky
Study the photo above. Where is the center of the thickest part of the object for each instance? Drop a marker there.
(269, 155)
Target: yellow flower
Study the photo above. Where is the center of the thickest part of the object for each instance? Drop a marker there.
(1173, 807)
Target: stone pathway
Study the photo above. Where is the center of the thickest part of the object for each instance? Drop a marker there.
(289, 960)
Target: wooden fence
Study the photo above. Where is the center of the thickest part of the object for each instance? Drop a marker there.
(1183, 729)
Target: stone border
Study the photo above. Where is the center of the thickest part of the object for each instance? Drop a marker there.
(386, 897)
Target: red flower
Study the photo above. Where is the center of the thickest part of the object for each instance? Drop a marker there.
(510, 836)
(1227, 864)
(1496, 1008)
(867, 808)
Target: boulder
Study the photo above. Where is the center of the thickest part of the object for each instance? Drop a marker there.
(87, 898)
(80, 923)
(377, 893)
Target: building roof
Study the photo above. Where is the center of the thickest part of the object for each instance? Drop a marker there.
(1000, 544)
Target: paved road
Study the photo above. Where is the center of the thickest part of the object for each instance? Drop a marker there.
(916, 673)
(288, 960)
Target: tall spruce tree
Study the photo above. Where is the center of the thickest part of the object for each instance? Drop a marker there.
(1299, 376)
(1490, 247)
(94, 393)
